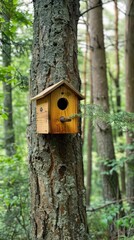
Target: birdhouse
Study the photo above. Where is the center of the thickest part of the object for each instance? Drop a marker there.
(57, 109)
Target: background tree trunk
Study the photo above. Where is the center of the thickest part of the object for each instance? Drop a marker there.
(90, 137)
(89, 163)
(85, 64)
(87, 137)
(117, 85)
(130, 96)
(55, 161)
(106, 153)
(9, 138)
(117, 60)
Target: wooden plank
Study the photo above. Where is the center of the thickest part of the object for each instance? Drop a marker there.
(42, 116)
(52, 88)
(56, 125)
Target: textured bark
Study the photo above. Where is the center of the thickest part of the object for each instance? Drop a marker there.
(100, 97)
(55, 161)
(9, 138)
(130, 95)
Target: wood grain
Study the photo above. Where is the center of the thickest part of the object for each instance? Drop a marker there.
(56, 125)
(42, 115)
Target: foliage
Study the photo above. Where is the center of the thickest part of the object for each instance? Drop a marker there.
(14, 204)
(14, 194)
(100, 219)
(120, 120)
(3, 113)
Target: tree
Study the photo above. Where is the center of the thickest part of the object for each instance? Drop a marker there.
(111, 189)
(14, 205)
(129, 57)
(117, 60)
(117, 85)
(9, 138)
(86, 76)
(55, 161)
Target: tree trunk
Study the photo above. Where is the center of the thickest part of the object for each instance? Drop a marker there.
(117, 85)
(9, 138)
(89, 163)
(85, 63)
(55, 161)
(90, 135)
(106, 153)
(87, 137)
(130, 96)
(117, 60)
(90, 143)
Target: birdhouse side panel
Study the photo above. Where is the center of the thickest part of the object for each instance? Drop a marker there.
(64, 103)
(42, 115)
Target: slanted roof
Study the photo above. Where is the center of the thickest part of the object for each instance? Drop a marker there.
(50, 89)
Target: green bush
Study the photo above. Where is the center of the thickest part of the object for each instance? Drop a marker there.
(14, 204)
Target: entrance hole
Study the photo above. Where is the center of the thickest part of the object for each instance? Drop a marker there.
(62, 103)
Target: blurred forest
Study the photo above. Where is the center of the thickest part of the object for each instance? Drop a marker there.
(16, 32)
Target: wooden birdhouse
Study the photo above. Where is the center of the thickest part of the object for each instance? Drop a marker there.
(56, 108)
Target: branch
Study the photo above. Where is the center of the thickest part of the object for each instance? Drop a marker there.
(91, 8)
(109, 204)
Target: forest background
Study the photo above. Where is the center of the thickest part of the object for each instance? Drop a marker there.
(15, 57)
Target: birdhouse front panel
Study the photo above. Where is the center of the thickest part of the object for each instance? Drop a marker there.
(64, 104)
(42, 115)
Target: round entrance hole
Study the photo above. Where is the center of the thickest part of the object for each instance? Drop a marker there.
(62, 103)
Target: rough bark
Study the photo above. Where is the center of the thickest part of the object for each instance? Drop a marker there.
(9, 137)
(105, 146)
(129, 57)
(55, 161)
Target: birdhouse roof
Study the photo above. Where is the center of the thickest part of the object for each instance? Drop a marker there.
(50, 89)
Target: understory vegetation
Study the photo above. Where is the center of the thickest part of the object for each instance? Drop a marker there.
(14, 178)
